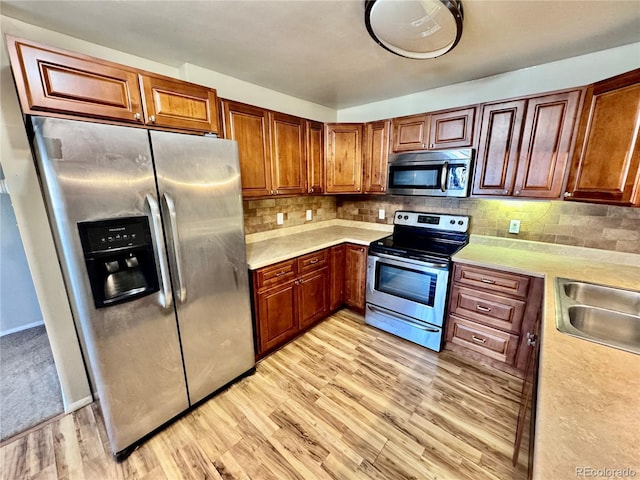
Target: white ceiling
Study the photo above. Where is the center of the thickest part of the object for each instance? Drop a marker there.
(320, 50)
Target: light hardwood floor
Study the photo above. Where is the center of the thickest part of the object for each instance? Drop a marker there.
(344, 401)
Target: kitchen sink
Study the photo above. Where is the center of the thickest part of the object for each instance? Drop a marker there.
(599, 313)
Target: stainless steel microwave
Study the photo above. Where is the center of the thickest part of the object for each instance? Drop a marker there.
(443, 173)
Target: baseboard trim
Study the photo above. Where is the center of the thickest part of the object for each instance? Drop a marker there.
(20, 328)
(78, 404)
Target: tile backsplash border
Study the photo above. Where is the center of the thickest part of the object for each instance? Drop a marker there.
(605, 227)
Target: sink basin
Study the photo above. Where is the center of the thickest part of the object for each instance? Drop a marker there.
(599, 313)
(625, 301)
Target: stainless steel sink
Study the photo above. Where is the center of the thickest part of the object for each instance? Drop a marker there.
(601, 314)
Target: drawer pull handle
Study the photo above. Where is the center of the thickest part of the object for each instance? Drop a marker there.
(279, 274)
(483, 309)
(315, 260)
(478, 339)
(486, 280)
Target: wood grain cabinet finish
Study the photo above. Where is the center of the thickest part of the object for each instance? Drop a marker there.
(313, 297)
(376, 153)
(452, 128)
(343, 157)
(355, 275)
(410, 133)
(524, 145)
(490, 313)
(277, 318)
(177, 104)
(54, 80)
(74, 85)
(249, 126)
(315, 157)
(606, 162)
(288, 154)
(336, 288)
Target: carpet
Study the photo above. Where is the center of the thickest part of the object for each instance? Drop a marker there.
(29, 387)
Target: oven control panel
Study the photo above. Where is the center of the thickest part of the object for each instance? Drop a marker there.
(435, 221)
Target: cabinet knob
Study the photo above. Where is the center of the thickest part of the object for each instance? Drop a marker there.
(152, 118)
(432, 145)
(568, 194)
(531, 339)
(357, 189)
(517, 192)
(137, 116)
(506, 192)
(311, 189)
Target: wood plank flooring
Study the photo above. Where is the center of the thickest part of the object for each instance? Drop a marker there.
(344, 401)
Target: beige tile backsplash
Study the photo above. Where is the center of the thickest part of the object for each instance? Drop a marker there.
(569, 223)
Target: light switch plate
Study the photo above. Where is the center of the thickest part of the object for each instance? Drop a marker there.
(280, 218)
(514, 226)
(309, 214)
(381, 214)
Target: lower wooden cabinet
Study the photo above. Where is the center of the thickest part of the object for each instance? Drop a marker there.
(491, 314)
(336, 289)
(355, 275)
(276, 309)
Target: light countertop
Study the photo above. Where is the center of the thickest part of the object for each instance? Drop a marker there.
(279, 245)
(588, 405)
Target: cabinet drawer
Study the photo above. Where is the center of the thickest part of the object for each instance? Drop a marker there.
(313, 261)
(501, 312)
(275, 274)
(488, 341)
(496, 281)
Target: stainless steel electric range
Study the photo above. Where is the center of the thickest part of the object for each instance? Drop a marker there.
(408, 275)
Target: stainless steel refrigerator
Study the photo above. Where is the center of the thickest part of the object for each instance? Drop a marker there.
(149, 231)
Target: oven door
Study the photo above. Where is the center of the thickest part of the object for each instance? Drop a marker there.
(410, 287)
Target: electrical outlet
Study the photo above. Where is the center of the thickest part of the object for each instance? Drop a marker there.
(280, 218)
(381, 215)
(309, 214)
(514, 226)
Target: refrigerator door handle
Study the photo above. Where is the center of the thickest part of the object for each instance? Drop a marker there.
(166, 297)
(175, 244)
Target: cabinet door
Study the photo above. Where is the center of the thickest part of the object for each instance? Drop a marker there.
(177, 104)
(288, 154)
(500, 132)
(54, 80)
(336, 292)
(606, 161)
(452, 129)
(276, 316)
(410, 133)
(344, 157)
(376, 152)
(546, 142)
(249, 126)
(315, 157)
(355, 275)
(313, 297)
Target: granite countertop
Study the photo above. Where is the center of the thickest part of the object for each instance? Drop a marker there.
(279, 245)
(588, 405)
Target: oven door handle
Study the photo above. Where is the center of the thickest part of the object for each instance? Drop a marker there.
(401, 260)
(402, 318)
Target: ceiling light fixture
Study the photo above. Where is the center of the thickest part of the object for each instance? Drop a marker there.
(414, 28)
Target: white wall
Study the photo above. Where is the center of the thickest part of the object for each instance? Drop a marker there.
(571, 72)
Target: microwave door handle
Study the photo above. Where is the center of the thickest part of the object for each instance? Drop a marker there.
(444, 173)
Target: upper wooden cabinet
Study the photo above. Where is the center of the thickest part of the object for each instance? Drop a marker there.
(288, 154)
(271, 147)
(55, 81)
(343, 157)
(436, 130)
(524, 145)
(249, 126)
(376, 153)
(315, 157)
(606, 161)
(177, 104)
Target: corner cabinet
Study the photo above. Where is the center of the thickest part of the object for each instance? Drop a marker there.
(315, 157)
(606, 162)
(343, 157)
(376, 154)
(271, 147)
(55, 81)
(433, 131)
(524, 145)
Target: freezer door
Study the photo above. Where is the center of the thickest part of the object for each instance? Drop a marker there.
(200, 197)
(93, 172)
